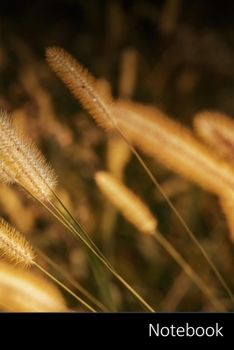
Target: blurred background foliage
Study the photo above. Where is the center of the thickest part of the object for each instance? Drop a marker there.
(181, 58)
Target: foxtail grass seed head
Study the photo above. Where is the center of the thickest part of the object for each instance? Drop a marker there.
(22, 162)
(6, 177)
(127, 202)
(172, 144)
(82, 84)
(13, 246)
(25, 291)
(217, 131)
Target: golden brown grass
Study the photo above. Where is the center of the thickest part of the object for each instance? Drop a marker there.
(127, 202)
(141, 126)
(82, 84)
(217, 131)
(21, 161)
(148, 129)
(14, 247)
(25, 291)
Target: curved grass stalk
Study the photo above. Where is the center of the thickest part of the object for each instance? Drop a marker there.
(79, 227)
(95, 251)
(108, 265)
(79, 235)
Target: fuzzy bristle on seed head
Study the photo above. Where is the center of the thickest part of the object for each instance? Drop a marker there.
(22, 162)
(127, 202)
(83, 85)
(13, 246)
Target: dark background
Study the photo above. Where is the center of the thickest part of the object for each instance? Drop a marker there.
(185, 64)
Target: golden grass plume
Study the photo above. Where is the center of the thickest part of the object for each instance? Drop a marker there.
(82, 84)
(22, 162)
(217, 131)
(173, 144)
(25, 291)
(13, 246)
(145, 127)
(127, 202)
(139, 215)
